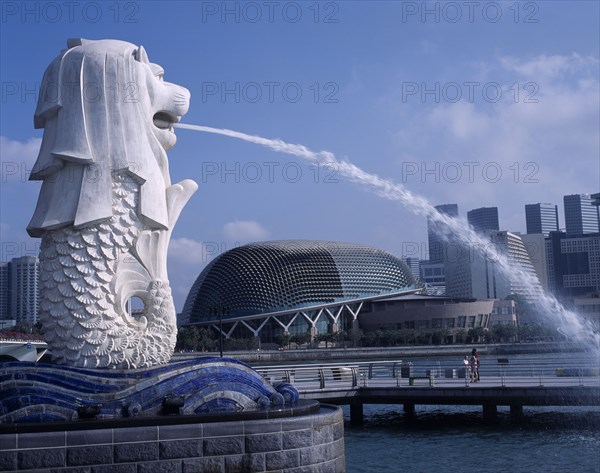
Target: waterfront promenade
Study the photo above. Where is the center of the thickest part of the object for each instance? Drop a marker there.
(557, 381)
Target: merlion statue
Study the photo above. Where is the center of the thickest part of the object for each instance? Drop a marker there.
(107, 207)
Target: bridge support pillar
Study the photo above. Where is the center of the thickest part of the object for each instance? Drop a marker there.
(356, 413)
(516, 411)
(490, 412)
(409, 410)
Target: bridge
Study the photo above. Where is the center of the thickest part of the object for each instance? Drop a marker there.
(22, 349)
(570, 381)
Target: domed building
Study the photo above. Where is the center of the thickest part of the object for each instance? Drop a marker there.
(293, 286)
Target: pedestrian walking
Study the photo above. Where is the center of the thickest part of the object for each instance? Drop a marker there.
(476, 356)
(467, 367)
(473, 368)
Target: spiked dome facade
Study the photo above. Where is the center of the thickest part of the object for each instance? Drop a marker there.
(293, 286)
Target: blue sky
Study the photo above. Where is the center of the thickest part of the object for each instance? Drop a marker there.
(480, 104)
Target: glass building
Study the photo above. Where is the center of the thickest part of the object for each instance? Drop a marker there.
(541, 218)
(19, 290)
(581, 216)
(436, 240)
(293, 286)
(483, 219)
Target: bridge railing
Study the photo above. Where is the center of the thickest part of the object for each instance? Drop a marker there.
(566, 371)
(30, 339)
(342, 375)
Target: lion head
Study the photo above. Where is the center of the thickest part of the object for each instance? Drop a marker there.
(105, 109)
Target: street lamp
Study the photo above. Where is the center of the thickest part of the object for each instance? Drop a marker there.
(220, 332)
(220, 311)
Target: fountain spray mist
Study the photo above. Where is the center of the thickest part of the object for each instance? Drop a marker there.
(568, 322)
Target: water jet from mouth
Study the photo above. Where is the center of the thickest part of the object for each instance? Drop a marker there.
(568, 323)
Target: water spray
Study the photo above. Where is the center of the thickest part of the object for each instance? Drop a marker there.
(569, 323)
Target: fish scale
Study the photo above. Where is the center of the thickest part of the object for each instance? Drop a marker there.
(78, 272)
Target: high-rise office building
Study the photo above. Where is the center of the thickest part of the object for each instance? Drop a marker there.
(435, 232)
(573, 264)
(4, 306)
(484, 219)
(513, 248)
(414, 265)
(535, 244)
(473, 274)
(581, 216)
(19, 283)
(433, 275)
(541, 218)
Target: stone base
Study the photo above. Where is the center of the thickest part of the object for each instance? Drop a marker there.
(313, 442)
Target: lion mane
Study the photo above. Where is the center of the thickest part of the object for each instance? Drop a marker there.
(107, 207)
(95, 108)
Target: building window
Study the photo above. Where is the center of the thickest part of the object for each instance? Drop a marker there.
(423, 324)
(436, 323)
(449, 323)
(471, 322)
(462, 321)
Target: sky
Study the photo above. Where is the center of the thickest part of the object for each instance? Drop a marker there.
(475, 103)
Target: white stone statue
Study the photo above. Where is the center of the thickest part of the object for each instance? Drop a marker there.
(106, 207)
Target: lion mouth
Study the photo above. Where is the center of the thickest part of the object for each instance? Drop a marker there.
(164, 120)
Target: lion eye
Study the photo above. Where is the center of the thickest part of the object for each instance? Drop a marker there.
(157, 71)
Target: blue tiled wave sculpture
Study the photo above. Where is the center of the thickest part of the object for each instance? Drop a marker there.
(39, 392)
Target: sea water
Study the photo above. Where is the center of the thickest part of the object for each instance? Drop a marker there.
(456, 439)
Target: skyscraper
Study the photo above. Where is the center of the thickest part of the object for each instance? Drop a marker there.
(4, 307)
(415, 266)
(581, 216)
(434, 233)
(474, 274)
(22, 289)
(541, 218)
(573, 264)
(484, 218)
(512, 247)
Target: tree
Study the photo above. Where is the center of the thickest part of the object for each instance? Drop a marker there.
(357, 336)
(300, 338)
(341, 337)
(474, 335)
(438, 337)
(503, 333)
(194, 338)
(283, 340)
(461, 335)
(325, 337)
(407, 335)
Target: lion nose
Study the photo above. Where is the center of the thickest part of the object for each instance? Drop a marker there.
(176, 100)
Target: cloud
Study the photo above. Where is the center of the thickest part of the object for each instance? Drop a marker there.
(550, 68)
(18, 158)
(186, 260)
(188, 257)
(244, 230)
(544, 140)
(187, 251)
